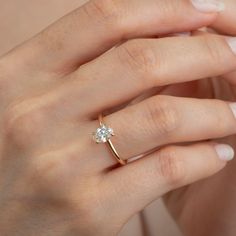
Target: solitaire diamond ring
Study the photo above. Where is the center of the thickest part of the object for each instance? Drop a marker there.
(104, 134)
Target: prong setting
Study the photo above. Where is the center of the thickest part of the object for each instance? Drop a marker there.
(103, 134)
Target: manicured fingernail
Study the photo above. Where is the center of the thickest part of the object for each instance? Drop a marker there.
(209, 5)
(182, 34)
(225, 152)
(233, 108)
(232, 43)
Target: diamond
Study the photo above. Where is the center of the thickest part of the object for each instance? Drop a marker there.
(103, 134)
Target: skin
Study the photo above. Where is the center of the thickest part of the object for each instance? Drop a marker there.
(216, 194)
(55, 179)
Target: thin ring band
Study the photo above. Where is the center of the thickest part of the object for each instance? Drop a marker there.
(110, 144)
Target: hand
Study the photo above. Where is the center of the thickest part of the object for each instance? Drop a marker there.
(54, 179)
(208, 207)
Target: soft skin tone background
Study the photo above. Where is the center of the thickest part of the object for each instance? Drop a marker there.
(21, 19)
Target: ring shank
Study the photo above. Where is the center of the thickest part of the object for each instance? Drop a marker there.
(114, 152)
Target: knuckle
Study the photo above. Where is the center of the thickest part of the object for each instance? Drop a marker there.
(48, 175)
(104, 11)
(21, 129)
(170, 167)
(58, 181)
(48, 181)
(53, 179)
(162, 117)
(140, 57)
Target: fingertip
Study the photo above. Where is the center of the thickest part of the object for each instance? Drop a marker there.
(224, 152)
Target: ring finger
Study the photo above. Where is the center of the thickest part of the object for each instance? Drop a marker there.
(162, 120)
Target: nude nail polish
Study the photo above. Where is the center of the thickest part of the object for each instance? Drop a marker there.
(233, 108)
(209, 6)
(224, 152)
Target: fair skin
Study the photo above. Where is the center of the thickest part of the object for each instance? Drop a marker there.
(54, 179)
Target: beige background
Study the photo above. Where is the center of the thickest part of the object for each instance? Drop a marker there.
(21, 19)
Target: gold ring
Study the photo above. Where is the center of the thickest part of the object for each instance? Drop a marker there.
(103, 134)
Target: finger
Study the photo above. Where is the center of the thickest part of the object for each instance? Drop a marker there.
(100, 24)
(162, 120)
(141, 64)
(136, 185)
(231, 76)
(225, 21)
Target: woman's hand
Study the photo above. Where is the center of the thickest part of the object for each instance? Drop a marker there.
(54, 179)
(208, 207)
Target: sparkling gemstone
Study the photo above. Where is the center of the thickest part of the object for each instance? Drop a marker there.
(103, 134)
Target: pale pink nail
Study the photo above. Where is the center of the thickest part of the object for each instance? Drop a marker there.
(209, 6)
(182, 34)
(233, 108)
(225, 152)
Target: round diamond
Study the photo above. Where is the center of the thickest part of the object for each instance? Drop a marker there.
(103, 134)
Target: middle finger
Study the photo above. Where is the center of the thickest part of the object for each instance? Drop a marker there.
(140, 64)
(162, 120)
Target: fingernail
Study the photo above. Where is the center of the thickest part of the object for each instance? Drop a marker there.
(232, 43)
(225, 152)
(182, 34)
(233, 108)
(209, 5)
